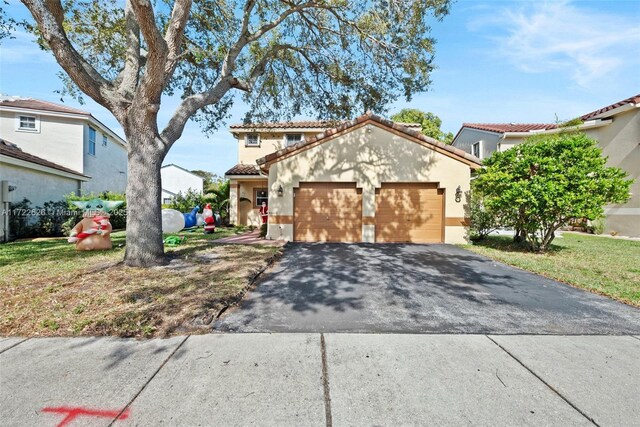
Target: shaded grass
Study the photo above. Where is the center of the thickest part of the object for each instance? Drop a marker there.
(602, 265)
(47, 288)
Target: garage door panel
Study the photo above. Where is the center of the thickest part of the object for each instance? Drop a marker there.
(409, 212)
(328, 212)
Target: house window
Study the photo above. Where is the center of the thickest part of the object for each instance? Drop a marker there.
(475, 149)
(292, 138)
(260, 195)
(166, 201)
(28, 123)
(252, 140)
(105, 140)
(92, 141)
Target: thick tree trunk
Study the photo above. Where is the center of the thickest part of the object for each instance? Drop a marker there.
(144, 218)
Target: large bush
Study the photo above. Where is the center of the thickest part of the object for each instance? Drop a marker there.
(545, 182)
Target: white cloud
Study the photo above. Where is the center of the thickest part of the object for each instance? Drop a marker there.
(560, 36)
(22, 49)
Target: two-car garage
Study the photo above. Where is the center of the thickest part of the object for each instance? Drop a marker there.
(369, 180)
(404, 212)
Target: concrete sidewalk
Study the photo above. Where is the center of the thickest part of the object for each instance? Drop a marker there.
(315, 379)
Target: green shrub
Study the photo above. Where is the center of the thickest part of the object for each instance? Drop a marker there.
(263, 230)
(483, 221)
(540, 185)
(597, 226)
(21, 223)
(51, 218)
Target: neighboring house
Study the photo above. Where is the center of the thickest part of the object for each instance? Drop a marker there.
(616, 127)
(68, 137)
(178, 180)
(49, 150)
(33, 177)
(483, 139)
(367, 180)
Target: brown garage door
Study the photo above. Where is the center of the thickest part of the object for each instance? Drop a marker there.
(409, 212)
(327, 212)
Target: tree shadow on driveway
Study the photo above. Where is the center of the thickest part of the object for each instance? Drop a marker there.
(333, 287)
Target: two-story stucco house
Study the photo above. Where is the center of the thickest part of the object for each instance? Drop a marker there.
(616, 127)
(365, 180)
(176, 179)
(49, 150)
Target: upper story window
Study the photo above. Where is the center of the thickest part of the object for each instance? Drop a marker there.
(475, 149)
(28, 123)
(92, 141)
(252, 140)
(292, 138)
(105, 140)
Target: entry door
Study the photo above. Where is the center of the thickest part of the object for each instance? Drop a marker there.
(410, 212)
(327, 212)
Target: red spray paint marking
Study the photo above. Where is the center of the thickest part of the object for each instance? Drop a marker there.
(73, 413)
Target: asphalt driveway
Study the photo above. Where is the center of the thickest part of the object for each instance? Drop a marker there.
(417, 289)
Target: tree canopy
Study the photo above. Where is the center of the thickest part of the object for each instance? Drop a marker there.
(332, 59)
(548, 180)
(430, 123)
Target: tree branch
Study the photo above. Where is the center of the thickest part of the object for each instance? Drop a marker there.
(174, 35)
(49, 17)
(189, 106)
(131, 72)
(153, 79)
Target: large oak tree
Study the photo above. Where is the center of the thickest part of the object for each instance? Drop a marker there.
(326, 58)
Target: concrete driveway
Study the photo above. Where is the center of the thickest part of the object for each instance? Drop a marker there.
(417, 289)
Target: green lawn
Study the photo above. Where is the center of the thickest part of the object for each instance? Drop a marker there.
(602, 265)
(48, 288)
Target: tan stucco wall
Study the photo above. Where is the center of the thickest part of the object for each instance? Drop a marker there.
(244, 212)
(620, 142)
(269, 143)
(369, 156)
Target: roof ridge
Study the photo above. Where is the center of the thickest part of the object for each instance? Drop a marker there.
(40, 104)
(361, 119)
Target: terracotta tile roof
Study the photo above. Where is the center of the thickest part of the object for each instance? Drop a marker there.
(510, 127)
(36, 104)
(12, 150)
(632, 100)
(456, 152)
(309, 124)
(242, 169)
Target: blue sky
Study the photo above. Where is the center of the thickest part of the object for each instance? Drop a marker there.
(498, 61)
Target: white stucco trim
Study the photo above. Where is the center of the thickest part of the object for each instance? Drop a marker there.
(591, 124)
(46, 169)
(617, 110)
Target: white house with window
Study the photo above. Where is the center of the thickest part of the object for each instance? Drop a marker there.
(176, 179)
(49, 150)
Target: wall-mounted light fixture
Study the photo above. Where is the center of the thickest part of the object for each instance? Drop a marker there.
(280, 191)
(458, 194)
